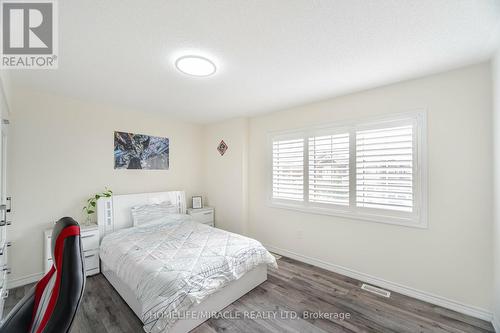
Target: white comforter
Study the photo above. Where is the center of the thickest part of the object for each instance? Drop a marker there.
(174, 262)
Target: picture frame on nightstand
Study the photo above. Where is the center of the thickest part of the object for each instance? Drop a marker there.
(197, 202)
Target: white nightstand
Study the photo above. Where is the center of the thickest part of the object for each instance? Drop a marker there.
(203, 215)
(90, 242)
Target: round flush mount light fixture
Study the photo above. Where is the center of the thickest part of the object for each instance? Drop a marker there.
(195, 66)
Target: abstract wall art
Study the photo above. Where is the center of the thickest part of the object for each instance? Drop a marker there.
(139, 151)
(222, 147)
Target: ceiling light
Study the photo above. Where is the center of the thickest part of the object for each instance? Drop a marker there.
(195, 65)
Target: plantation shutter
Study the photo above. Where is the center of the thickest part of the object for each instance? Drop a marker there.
(288, 169)
(329, 169)
(384, 168)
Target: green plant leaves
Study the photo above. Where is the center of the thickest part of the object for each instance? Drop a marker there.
(92, 201)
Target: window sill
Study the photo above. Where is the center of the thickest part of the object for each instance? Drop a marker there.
(418, 223)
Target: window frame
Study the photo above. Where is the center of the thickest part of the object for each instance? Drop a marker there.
(417, 218)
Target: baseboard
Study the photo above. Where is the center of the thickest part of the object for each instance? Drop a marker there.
(396, 287)
(23, 280)
(496, 323)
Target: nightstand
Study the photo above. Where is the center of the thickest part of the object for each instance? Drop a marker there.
(203, 215)
(90, 243)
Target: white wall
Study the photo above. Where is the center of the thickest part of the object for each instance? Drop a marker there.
(225, 177)
(6, 84)
(61, 152)
(496, 233)
(450, 259)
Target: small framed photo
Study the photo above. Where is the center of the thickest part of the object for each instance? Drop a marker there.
(197, 202)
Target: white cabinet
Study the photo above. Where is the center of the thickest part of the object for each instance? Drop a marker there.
(90, 244)
(4, 269)
(5, 207)
(203, 215)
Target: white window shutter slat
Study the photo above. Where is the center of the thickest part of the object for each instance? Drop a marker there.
(329, 169)
(384, 168)
(288, 169)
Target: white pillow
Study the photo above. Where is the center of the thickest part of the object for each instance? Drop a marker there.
(146, 213)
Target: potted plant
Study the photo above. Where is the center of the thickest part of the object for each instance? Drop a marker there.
(91, 206)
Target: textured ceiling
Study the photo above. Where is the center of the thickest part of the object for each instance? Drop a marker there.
(271, 54)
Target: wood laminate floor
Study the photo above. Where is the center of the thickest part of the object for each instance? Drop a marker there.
(294, 288)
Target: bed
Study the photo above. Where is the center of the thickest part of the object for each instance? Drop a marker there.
(173, 272)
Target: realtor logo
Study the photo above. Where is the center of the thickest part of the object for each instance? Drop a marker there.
(29, 34)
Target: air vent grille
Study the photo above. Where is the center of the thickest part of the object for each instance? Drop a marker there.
(375, 290)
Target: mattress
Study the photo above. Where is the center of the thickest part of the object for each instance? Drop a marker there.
(174, 262)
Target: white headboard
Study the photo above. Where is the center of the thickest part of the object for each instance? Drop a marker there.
(114, 213)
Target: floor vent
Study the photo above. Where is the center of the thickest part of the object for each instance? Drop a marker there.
(375, 290)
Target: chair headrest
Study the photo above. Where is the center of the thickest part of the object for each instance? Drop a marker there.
(58, 228)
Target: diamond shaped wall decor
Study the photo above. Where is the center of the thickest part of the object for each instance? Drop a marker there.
(222, 147)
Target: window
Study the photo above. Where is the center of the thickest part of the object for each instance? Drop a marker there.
(329, 169)
(288, 169)
(384, 166)
(373, 171)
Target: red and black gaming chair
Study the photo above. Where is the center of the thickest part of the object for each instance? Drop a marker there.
(51, 305)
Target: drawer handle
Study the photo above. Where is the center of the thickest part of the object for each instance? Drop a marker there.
(87, 236)
(89, 256)
(6, 245)
(207, 213)
(3, 210)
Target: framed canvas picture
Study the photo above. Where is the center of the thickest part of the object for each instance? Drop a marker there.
(197, 202)
(139, 151)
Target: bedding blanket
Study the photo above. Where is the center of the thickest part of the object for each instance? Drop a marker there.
(174, 262)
